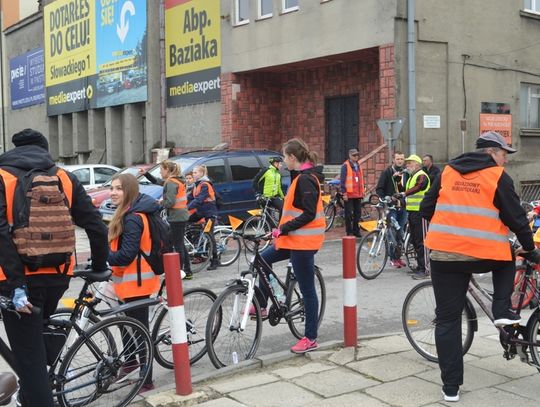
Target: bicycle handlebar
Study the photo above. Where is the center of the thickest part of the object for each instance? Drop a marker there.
(7, 305)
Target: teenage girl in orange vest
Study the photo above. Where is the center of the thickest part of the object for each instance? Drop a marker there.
(128, 235)
(301, 233)
(175, 200)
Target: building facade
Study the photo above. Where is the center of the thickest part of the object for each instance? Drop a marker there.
(325, 71)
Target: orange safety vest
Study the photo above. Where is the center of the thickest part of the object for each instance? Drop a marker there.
(465, 219)
(126, 278)
(350, 181)
(309, 236)
(10, 182)
(197, 190)
(181, 197)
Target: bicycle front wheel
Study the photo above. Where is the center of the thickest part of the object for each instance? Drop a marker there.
(228, 246)
(330, 215)
(256, 226)
(227, 342)
(111, 361)
(418, 319)
(296, 315)
(533, 331)
(372, 255)
(197, 305)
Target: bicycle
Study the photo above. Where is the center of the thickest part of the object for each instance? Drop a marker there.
(232, 334)
(199, 245)
(373, 250)
(418, 319)
(228, 242)
(262, 221)
(110, 361)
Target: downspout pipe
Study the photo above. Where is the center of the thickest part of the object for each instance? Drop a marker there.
(2, 83)
(411, 75)
(162, 84)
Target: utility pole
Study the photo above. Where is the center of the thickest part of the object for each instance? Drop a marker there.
(2, 90)
(162, 84)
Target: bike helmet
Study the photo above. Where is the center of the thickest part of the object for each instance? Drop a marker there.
(276, 159)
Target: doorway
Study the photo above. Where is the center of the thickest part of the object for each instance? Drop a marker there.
(341, 127)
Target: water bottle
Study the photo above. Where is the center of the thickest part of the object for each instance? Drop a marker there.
(395, 223)
(235, 358)
(276, 288)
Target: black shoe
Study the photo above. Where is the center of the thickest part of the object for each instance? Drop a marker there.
(508, 318)
(214, 264)
(420, 275)
(357, 234)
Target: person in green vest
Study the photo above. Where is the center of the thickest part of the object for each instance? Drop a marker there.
(267, 183)
(417, 185)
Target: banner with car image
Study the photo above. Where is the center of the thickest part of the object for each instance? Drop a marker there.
(95, 54)
(192, 51)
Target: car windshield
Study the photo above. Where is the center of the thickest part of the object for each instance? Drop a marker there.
(184, 162)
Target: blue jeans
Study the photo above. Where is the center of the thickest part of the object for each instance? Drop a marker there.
(303, 263)
(400, 215)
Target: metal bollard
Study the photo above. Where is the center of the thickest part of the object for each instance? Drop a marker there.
(177, 318)
(350, 327)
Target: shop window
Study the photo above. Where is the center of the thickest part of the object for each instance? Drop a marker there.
(532, 6)
(290, 5)
(529, 106)
(265, 9)
(241, 12)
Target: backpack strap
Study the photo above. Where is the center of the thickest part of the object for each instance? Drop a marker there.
(10, 182)
(141, 253)
(67, 185)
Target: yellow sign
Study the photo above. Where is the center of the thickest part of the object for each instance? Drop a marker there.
(192, 37)
(69, 39)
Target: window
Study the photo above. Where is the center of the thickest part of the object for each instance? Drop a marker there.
(290, 5)
(531, 5)
(529, 106)
(83, 175)
(102, 175)
(216, 170)
(265, 9)
(241, 12)
(244, 168)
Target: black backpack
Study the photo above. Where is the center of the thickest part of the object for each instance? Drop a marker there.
(159, 234)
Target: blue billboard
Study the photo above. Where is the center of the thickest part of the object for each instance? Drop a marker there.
(27, 79)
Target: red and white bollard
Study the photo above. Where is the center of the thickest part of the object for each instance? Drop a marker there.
(350, 328)
(177, 318)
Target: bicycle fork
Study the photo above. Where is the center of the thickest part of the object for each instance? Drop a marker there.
(376, 248)
(237, 305)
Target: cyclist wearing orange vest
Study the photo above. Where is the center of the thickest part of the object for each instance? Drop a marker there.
(129, 233)
(352, 188)
(471, 209)
(301, 233)
(42, 288)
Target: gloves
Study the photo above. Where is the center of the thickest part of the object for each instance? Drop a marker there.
(20, 299)
(276, 233)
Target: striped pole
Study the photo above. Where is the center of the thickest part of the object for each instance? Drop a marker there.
(177, 320)
(350, 328)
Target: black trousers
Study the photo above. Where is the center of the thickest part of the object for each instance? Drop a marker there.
(26, 340)
(417, 238)
(450, 281)
(352, 215)
(178, 230)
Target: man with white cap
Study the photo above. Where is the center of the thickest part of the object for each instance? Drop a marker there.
(417, 185)
(470, 207)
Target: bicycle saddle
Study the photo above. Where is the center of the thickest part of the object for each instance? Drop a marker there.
(8, 387)
(91, 275)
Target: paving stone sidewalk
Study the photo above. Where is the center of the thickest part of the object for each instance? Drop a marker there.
(382, 371)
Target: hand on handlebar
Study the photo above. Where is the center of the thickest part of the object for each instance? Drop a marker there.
(532, 255)
(276, 233)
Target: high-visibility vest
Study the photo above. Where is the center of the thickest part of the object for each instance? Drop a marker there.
(211, 194)
(181, 197)
(309, 236)
(412, 202)
(350, 179)
(465, 220)
(272, 182)
(126, 280)
(10, 182)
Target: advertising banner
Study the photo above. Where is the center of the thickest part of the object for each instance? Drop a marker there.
(93, 51)
(495, 116)
(27, 79)
(192, 51)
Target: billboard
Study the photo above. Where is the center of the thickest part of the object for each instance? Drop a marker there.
(496, 116)
(192, 51)
(27, 79)
(93, 53)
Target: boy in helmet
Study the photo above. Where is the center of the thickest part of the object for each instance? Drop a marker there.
(267, 183)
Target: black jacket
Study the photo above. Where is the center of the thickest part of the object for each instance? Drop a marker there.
(130, 240)
(506, 200)
(306, 197)
(390, 182)
(19, 161)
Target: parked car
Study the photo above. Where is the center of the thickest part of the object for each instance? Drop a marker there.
(91, 175)
(231, 171)
(103, 192)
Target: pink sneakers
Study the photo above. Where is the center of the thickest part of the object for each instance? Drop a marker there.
(395, 263)
(304, 345)
(264, 312)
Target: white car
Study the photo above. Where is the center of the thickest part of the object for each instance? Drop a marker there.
(91, 175)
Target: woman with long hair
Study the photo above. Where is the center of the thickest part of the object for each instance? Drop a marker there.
(129, 234)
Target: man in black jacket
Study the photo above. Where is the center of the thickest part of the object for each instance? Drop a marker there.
(431, 169)
(25, 334)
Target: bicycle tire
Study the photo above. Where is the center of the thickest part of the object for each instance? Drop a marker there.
(418, 320)
(254, 226)
(368, 262)
(529, 288)
(96, 371)
(197, 305)
(329, 215)
(199, 249)
(410, 253)
(228, 245)
(533, 335)
(295, 316)
(225, 343)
